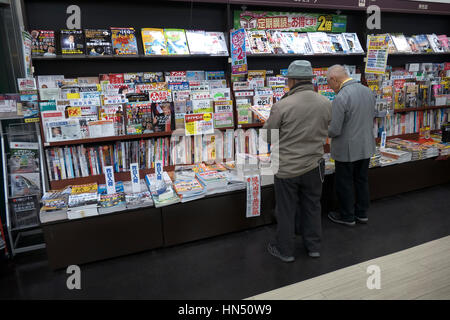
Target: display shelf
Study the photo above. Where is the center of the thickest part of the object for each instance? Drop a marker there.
(130, 57)
(417, 54)
(108, 139)
(420, 109)
(100, 179)
(249, 125)
(291, 55)
(407, 136)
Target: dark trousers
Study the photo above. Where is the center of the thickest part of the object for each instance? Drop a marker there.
(352, 188)
(298, 203)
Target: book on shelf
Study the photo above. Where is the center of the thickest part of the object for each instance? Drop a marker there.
(164, 116)
(54, 205)
(154, 41)
(162, 190)
(108, 203)
(72, 42)
(124, 41)
(140, 199)
(43, 43)
(98, 42)
(176, 41)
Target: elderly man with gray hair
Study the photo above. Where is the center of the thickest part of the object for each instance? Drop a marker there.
(302, 117)
(352, 144)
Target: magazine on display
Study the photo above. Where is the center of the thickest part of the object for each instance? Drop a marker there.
(197, 41)
(216, 43)
(98, 42)
(154, 41)
(353, 43)
(24, 184)
(176, 41)
(305, 44)
(43, 43)
(289, 42)
(124, 41)
(139, 118)
(400, 42)
(164, 116)
(319, 42)
(413, 44)
(443, 39)
(72, 42)
(258, 42)
(423, 43)
(338, 42)
(435, 43)
(276, 41)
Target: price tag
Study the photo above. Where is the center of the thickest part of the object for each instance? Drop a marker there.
(135, 180)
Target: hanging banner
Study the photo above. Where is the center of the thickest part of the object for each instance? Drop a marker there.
(289, 21)
(253, 196)
(26, 48)
(238, 53)
(377, 54)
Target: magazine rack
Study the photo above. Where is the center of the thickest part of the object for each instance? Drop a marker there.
(22, 225)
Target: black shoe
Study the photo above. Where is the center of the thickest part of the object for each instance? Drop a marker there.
(336, 217)
(273, 250)
(363, 220)
(314, 254)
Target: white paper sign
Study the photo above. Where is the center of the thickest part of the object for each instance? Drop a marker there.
(383, 140)
(159, 170)
(135, 180)
(110, 182)
(253, 196)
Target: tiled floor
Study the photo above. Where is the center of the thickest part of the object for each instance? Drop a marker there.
(421, 272)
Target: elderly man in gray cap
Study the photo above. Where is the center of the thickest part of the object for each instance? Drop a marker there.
(302, 117)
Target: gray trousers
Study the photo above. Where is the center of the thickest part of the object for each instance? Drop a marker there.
(298, 204)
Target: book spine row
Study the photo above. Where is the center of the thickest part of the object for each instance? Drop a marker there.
(411, 122)
(81, 161)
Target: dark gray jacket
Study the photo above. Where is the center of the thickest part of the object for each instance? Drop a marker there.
(351, 127)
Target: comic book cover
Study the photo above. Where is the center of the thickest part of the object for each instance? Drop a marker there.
(98, 42)
(43, 43)
(154, 41)
(72, 42)
(124, 41)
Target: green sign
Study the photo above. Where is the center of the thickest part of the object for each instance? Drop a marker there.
(289, 21)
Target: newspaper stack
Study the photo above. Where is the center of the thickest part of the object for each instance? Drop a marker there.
(83, 201)
(188, 189)
(54, 205)
(213, 181)
(375, 159)
(398, 156)
(137, 199)
(108, 203)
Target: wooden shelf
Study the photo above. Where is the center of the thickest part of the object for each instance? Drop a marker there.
(417, 54)
(100, 179)
(250, 125)
(420, 109)
(106, 139)
(407, 136)
(130, 57)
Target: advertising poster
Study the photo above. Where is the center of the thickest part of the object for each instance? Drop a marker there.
(238, 54)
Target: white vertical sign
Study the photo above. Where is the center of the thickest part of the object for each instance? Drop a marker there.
(135, 179)
(159, 170)
(253, 196)
(383, 140)
(110, 182)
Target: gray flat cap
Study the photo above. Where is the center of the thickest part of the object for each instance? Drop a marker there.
(300, 69)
